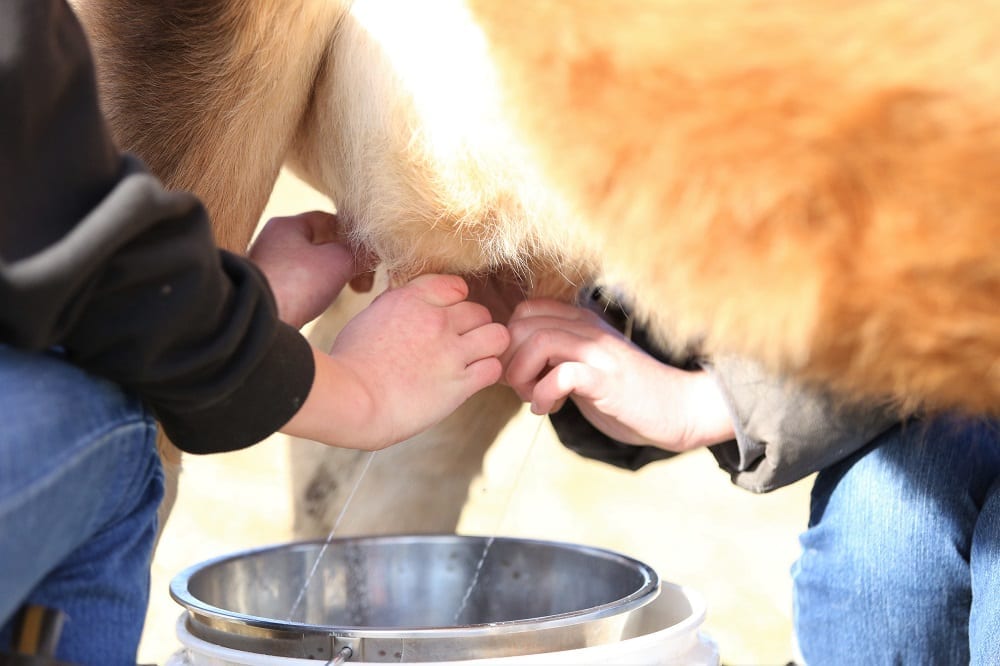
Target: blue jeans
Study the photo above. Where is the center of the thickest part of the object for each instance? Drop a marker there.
(80, 482)
(901, 561)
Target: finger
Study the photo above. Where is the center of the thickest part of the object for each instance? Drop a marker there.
(485, 341)
(466, 315)
(290, 246)
(523, 329)
(313, 227)
(306, 286)
(333, 259)
(283, 239)
(321, 226)
(440, 290)
(544, 349)
(278, 231)
(545, 307)
(482, 373)
(559, 383)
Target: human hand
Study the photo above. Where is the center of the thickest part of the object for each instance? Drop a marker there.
(401, 365)
(561, 351)
(306, 264)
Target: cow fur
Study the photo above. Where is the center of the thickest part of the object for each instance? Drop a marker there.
(812, 184)
(216, 96)
(815, 184)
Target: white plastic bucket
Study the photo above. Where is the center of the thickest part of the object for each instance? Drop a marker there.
(663, 633)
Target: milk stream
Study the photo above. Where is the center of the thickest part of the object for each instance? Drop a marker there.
(329, 538)
(345, 654)
(503, 516)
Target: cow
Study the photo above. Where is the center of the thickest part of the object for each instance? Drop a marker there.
(810, 184)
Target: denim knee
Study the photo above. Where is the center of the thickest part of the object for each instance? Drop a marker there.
(48, 406)
(77, 454)
(888, 547)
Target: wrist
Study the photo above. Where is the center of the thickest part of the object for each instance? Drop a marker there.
(338, 410)
(700, 416)
(709, 419)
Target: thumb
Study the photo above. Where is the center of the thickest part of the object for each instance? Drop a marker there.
(559, 383)
(439, 290)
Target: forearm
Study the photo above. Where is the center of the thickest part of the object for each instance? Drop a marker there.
(339, 410)
(699, 404)
(711, 420)
(646, 402)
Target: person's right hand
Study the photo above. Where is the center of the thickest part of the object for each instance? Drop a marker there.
(403, 364)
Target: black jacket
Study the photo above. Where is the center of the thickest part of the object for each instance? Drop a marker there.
(97, 259)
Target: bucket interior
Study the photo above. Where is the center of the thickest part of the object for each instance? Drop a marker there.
(418, 582)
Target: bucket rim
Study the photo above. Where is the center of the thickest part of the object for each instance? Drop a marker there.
(247, 625)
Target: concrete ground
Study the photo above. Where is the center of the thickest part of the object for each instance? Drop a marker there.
(681, 516)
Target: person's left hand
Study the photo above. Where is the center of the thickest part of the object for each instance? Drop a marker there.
(561, 351)
(306, 265)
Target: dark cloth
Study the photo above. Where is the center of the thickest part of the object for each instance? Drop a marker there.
(577, 434)
(572, 428)
(784, 431)
(97, 259)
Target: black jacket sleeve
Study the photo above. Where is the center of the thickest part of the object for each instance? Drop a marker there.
(98, 259)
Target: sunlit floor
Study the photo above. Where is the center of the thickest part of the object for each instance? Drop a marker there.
(681, 516)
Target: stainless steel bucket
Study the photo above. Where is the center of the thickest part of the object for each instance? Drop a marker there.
(414, 598)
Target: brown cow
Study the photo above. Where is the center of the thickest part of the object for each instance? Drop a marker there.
(813, 184)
